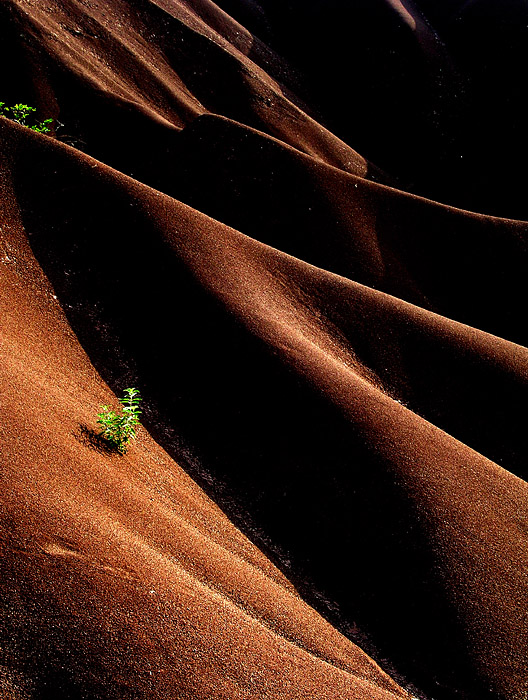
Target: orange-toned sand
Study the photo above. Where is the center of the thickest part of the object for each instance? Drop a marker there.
(330, 476)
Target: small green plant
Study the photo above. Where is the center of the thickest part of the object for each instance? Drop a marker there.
(21, 114)
(120, 429)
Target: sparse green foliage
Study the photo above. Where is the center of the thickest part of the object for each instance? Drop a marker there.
(120, 429)
(23, 114)
(42, 127)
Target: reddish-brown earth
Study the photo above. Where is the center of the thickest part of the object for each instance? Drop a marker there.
(327, 498)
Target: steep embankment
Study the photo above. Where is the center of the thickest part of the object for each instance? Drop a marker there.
(120, 578)
(339, 364)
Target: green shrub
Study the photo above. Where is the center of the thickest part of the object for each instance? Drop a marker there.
(21, 114)
(120, 429)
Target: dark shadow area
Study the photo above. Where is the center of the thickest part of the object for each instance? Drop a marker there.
(95, 441)
(440, 112)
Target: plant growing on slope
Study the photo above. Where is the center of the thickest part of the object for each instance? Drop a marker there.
(21, 114)
(120, 429)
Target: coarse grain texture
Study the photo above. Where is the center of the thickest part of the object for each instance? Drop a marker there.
(327, 497)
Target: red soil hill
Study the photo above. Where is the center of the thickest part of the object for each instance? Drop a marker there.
(337, 363)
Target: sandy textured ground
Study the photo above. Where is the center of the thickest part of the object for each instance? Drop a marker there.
(327, 498)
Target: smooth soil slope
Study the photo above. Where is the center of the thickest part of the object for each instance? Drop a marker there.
(327, 497)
